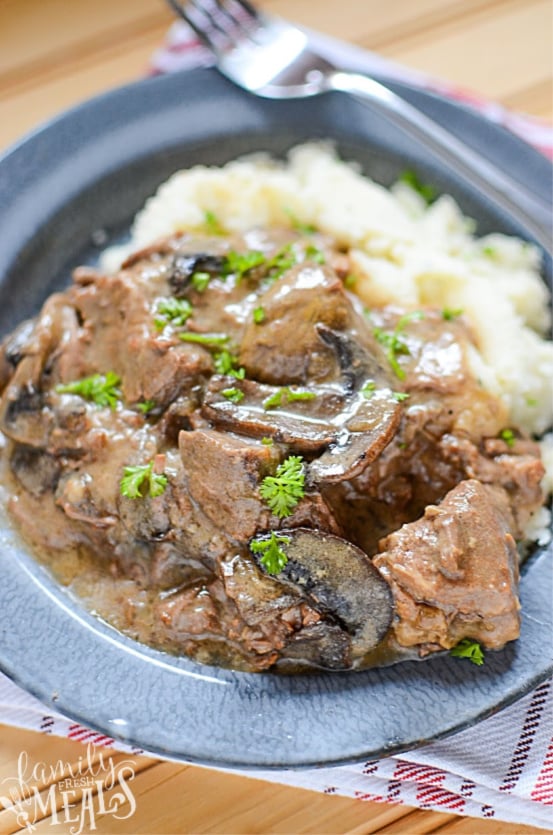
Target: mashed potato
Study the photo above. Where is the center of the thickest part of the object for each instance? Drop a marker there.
(402, 250)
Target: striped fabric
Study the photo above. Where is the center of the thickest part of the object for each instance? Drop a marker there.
(503, 767)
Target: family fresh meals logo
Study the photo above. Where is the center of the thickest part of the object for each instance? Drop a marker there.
(73, 794)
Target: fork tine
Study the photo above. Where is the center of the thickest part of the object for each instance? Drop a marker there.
(242, 17)
(203, 24)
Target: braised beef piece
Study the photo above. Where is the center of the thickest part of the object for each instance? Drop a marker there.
(397, 439)
(454, 572)
(449, 432)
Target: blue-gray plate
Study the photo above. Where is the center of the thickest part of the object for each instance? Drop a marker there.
(91, 169)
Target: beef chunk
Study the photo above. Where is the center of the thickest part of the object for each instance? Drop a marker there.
(286, 347)
(454, 573)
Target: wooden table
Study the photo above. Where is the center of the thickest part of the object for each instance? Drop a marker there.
(54, 53)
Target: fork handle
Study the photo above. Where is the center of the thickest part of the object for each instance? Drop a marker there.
(523, 206)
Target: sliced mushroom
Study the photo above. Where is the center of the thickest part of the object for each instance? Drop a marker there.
(340, 581)
(304, 425)
(184, 266)
(34, 469)
(370, 417)
(13, 349)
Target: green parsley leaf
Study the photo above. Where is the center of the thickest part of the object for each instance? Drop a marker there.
(238, 263)
(267, 441)
(350, 281)
(137, 482)
(489, 251)
(274, 558)
(174, 311)
(400, 396)
(227, 364)
(233, 394)
(200, 281)
(449, 314)
(212, 224)
(146, 406)
(299, 226)
(273, 401)
(259, 315)
(531, 401)
(288, 395)
(292, 396)
(283, 491)
(426, 191)
(413, 316)
(204, 338)
(508, 436)
(282, 261)
(368, 389)
(393, 342)
(395, 346)
(470, 649)
(102, 389)
(313, 253)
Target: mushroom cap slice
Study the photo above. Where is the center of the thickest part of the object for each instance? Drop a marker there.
(341, 582)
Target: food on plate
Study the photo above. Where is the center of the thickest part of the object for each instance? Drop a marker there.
(291, 424)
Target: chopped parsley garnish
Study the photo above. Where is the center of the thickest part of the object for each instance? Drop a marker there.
(393, 342)
(240, 263)
(508, 436)
(273, 401)
(449, 314)
(299, 226)
(227, 364)
(313, 253)
(489, 251)
(531, 401)
(200, 281)
(204, 338)
(292, 396)
(282, 261)
(141, 481)
(426, 191)
(146, 406)
(212, 223)
(283, 491)
(259, 315)
(174, 311)
(288, 396)
(470, 649)
(233, 394)
(368, 389)
(350, 281)
(267, 441)
(273, 558)
(400, 396)
(102, 389)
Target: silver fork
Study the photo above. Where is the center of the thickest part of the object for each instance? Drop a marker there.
(271, 58)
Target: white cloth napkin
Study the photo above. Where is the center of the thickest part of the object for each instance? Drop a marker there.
(503, 767)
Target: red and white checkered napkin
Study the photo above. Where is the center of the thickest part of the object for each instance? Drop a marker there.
(503, 767)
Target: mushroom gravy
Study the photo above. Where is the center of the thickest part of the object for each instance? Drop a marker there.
(224, 456)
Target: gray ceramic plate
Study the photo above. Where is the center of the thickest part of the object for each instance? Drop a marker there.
(92, 169)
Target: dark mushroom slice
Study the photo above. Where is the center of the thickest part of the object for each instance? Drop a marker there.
(184, 267)
(36, 470)
(340, 581)
(371, 414)
(12, 350)
(304, 425)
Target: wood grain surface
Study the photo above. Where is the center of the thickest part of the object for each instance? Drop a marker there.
(54, 53)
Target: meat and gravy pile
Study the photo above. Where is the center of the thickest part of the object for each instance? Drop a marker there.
(228, 457)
